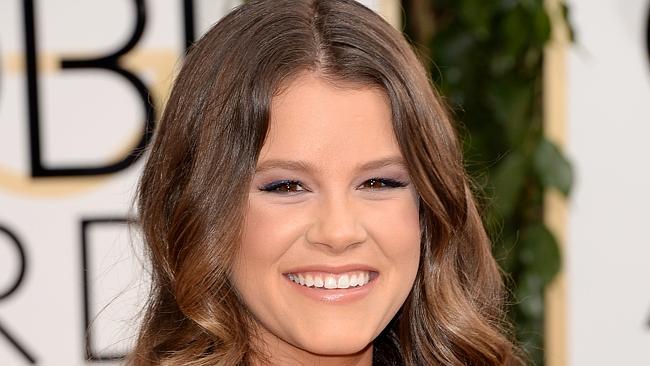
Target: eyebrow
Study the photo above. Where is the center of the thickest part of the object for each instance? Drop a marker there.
(304, 166)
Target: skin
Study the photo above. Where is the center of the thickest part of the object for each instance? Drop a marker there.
(333, 216)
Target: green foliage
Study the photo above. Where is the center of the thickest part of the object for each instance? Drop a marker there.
(486, 57)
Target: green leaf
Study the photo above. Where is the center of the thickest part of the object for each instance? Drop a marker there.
(552, 168)
(507, 182)
(541, 25)
(529, 296)
(477, 14)
(513, 28)
(511, 101)
(540, 254)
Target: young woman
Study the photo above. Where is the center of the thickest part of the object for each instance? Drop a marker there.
(304, 203)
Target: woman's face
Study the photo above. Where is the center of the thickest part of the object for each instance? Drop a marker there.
(332, 207)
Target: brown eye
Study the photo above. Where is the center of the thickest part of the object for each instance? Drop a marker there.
(374, 184)
(382, 183)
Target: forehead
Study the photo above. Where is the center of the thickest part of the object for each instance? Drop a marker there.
(329, 124)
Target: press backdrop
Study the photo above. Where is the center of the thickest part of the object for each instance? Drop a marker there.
(76, 78)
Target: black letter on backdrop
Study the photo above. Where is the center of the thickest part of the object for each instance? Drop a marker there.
(109, 62)
(23, 263)
(188, 21)
(32, 85)
(19, 279)
(92, 354)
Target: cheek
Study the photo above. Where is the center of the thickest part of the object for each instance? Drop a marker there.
(395, 226)
(269, 231)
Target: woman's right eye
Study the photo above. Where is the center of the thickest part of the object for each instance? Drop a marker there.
(283, 186)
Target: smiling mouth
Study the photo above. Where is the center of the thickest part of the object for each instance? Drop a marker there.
(331, 281)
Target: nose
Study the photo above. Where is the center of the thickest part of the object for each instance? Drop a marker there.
(337, 225)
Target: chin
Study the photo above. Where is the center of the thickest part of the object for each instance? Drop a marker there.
(334, 349)
(335, 345)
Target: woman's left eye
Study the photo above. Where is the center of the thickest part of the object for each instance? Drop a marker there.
(382, 183)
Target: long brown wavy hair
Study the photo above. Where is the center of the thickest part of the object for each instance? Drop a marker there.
(194, 189)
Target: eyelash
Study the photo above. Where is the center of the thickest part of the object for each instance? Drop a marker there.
(275, 187)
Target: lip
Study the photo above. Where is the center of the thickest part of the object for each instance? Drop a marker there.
(337, 296)
(331, 269)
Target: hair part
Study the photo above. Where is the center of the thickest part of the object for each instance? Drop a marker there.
(194, 189)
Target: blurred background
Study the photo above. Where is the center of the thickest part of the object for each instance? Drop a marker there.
(552, 101)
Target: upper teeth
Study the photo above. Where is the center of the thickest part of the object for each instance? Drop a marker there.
(330, 280)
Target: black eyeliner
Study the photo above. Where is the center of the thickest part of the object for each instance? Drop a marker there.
(393, 183)
(277, 184)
